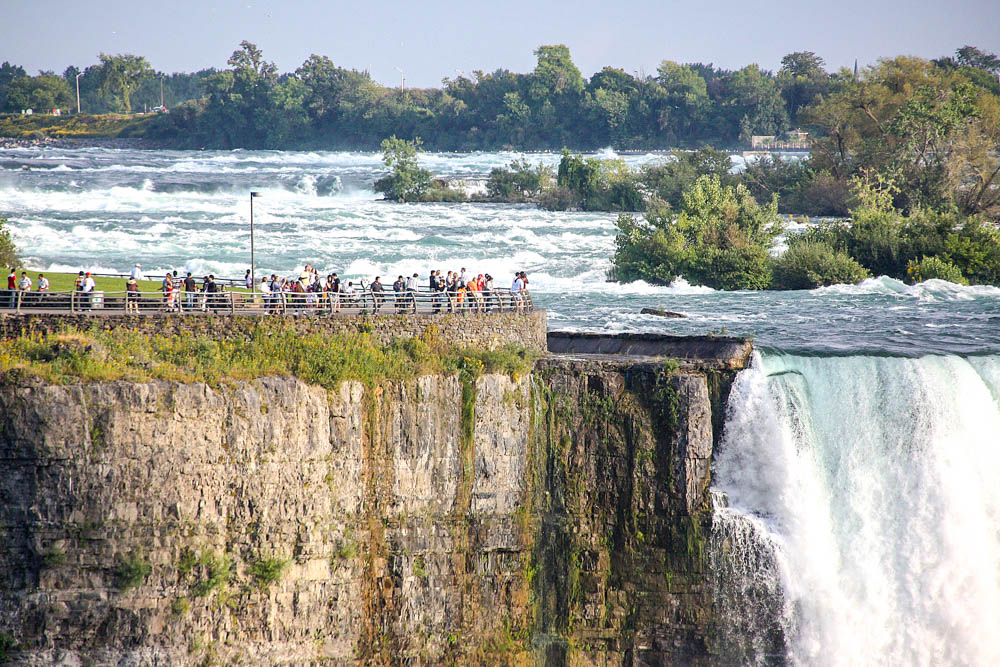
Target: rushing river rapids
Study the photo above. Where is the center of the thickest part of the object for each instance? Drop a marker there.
(857, 506)
(107, 209)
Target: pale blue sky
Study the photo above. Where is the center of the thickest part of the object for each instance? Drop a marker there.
(430, 40)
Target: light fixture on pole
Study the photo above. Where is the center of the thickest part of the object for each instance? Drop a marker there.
(253, 281)
(78, 75)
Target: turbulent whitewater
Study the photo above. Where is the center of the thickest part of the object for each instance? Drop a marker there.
(857, 511)
(103, 209)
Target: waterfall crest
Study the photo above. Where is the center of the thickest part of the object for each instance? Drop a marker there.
(856, 514)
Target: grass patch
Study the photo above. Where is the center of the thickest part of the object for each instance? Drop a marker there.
(64, 282)
(131, 572)
(188, 559)
(180, 606)
(268, 570)
(218, 571)
(272, 349)
(54, 557)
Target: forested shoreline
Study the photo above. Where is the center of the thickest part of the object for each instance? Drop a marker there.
(323, 106)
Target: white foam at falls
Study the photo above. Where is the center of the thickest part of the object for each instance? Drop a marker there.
(874, 481)
(928, 290)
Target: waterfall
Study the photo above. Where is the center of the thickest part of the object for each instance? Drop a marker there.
(857, 512)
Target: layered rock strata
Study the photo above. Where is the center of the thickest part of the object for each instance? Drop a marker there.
(556, 517)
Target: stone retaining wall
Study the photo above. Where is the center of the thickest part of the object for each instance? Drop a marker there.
(491, 329)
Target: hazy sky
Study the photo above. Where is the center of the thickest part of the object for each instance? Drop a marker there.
(429, 40)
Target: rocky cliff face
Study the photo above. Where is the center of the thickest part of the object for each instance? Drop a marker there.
(556, 517)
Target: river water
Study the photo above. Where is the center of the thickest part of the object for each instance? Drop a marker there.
(857, 482)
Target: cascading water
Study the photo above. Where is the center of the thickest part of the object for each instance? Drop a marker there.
(857, 515)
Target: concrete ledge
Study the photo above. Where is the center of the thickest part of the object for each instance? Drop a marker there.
(710, 351)
(472, 329)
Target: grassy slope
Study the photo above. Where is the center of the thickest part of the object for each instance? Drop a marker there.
(63, 282)
(272, 349)
(81, 125)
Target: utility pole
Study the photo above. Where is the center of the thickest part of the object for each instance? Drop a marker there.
(402, 80)
(253, 281)
(161, 92)
(78, 75)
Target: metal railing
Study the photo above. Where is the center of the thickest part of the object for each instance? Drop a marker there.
(361, 302)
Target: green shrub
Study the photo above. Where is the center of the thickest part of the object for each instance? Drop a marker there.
(974, 246)
(54, 557)
(187, 561)
(720, 237)
(519, 182)
(180, 606)
(131, 572)
(268, 571)
(407, 181)
(217, 572)
(741, 268)
(440, 191)
(930, 268)
(7, 646)
(558, 198)
(9, 256)
(271, 349)
(808, 264)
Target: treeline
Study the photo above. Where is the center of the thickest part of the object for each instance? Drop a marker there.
(117, 84)
(322, 105)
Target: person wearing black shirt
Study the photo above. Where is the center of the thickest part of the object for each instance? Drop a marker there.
(397, 292)
(190, 288)
(378, 293)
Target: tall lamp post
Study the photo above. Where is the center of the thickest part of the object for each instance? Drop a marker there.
(78, 75)
(253, 281)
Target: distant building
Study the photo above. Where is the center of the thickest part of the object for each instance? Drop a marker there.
(793, 140)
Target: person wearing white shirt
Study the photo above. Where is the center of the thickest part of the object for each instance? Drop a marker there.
(137, 273)
(88, 283)
(25, 284)
(43, 283)
(515, 291)
(265, 291)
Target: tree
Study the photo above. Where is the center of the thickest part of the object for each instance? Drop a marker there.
(555, 74)
(752, 104)
(929, 129)
(801, 79)
(8, 74)
(407, 180)
(42, 93)
(8, 251)
(721, 237)
(122, 74)
(687, 104)
(970, 56)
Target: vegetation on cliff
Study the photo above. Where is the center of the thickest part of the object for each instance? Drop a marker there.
(326, 360)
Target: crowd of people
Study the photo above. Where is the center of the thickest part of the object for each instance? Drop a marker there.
(453, 292)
